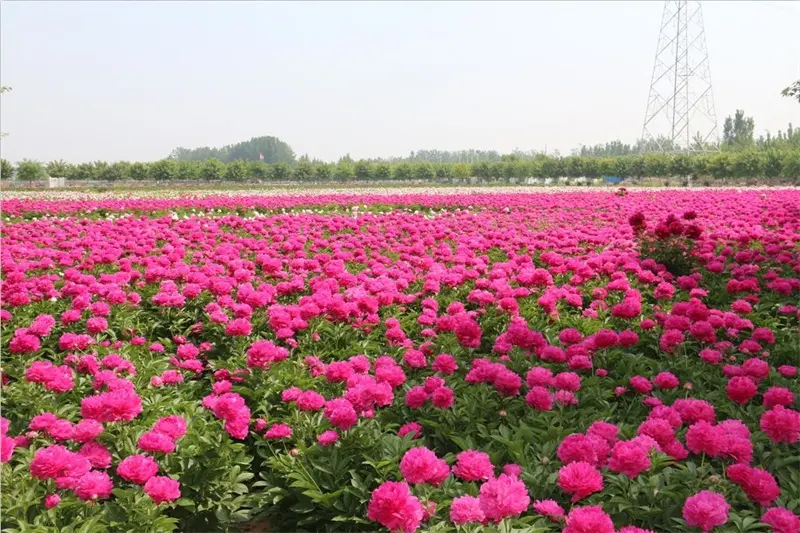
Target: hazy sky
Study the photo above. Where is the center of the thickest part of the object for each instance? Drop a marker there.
(133, 80)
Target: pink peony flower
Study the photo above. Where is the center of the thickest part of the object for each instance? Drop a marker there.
(310, 401)
(588, 520)
(781, 424)
(466, 510)
(394, 507)
(420, 465)
(153, 441)
(412, 428)
(172, 426)
(94, 485)
(162, 489)
(539, 398)
(580, 479)
(7, 445)
(629, 458)
(98, 455)
(740, 389)
(706, 510)
(549, 508)
(445, 364)
(472, 465)
(51, 500)
(666, 381)
(758, 484)
(326, 438)
(781, 520)
(340, 413)
(502, 497)
(55, 461)
(278, 431)
(137, 468)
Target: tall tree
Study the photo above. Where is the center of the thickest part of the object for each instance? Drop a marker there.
(737, 131)
(272, 149)
(6, 169)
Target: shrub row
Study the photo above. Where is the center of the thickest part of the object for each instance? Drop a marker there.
(770, 164)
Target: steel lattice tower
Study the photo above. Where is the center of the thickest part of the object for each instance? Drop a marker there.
(680, 113)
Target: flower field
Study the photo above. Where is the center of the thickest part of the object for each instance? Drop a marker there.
(585, 362)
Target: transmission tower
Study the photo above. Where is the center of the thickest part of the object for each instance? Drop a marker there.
(680, 113)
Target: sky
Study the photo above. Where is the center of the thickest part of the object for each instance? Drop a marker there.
(134, 80)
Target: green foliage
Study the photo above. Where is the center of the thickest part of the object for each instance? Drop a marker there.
(273, 149)
(737, 131)
(792, 91)
(186, 171)
(345, 171)
(164, 170)
(257, 170)
(235, 171)
(84, 172)
(424, 171)
(281, 172)
(775, 158)
(363, 170)
(138, 171)
(323, 172)
(58, 169)
(304, 171)
(212, 170)
(28, 170)
(6, 169)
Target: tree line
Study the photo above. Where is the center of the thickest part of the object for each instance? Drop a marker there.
(266, 149)
(749, 164)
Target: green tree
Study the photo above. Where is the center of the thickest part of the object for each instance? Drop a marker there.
(737, 131)
(573, 166)
(235, 171)
(402, 172)
(680, 165)
(119, 171)
(163, 170)
(656, 165)
(303, 172)
(273, 149)
(790, 166)
(281, 172)
(84, 172)
(482, 170)
(323, 171)
(212, 170)
(139, 171)
(607, 166)
(383, 171)
(444, 171)
(719, 166)
(345, 171)
(363, 170)
(58, 169)
(6, 169)
(257, 170)
(187, 170)
(424, 171)
(771, 163)
(624, 166)
(746, 165)
(792, 91)
(462, 171)
(28, 170)
(637, 166)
